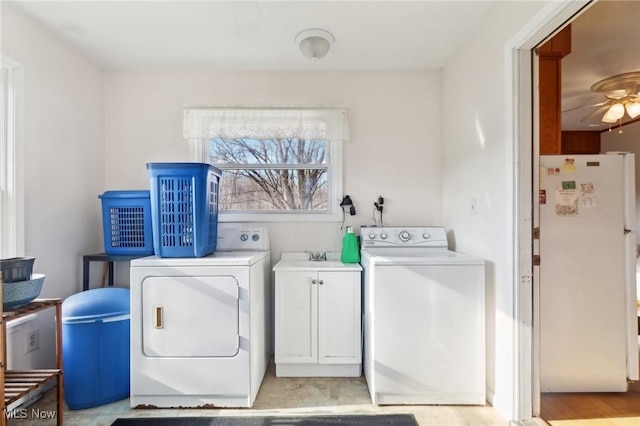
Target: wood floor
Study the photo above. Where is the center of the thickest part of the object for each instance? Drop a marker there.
(592, 409)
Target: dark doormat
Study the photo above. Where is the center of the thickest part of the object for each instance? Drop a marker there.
(346, 420)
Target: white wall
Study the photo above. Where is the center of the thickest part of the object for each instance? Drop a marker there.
(394, 119)
(478, 163)
(64, 151)
(63, 143)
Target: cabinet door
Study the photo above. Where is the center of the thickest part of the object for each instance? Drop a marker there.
(339, 329)
(296, 317)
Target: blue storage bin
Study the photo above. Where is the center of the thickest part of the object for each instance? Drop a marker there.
(184, 208)
(126, 223)
(95, 347)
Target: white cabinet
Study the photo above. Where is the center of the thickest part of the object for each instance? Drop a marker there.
(317, 318)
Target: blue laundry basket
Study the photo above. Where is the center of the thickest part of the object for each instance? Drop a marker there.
(95, 347)
(126, 223)
(184, 208)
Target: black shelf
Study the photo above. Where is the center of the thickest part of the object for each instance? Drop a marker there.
(102, 257)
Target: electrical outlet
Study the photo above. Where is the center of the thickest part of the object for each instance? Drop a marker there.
(473, 208)
(378, 204)
(32, 341)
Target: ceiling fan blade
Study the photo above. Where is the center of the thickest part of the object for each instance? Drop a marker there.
(587, 106)
(625, 99)
(600, 110)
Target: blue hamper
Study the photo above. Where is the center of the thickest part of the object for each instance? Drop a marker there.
(95, 347)
(126, 223)
(184, 208)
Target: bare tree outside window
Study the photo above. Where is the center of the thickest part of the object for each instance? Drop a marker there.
(271, 174)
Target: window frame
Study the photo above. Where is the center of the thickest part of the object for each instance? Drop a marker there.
(12, 210)
(334, 188)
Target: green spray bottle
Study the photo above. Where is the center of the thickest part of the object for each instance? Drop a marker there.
(350, 252)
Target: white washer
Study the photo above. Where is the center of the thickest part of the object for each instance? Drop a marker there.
(199, 326)
(424, 318)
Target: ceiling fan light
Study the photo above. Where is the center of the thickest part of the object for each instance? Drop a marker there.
(614, 113)
(633, 109)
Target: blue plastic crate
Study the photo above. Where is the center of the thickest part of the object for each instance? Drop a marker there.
(184, 208)
(126, 222)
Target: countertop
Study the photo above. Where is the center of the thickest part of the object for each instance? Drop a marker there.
(299, 261)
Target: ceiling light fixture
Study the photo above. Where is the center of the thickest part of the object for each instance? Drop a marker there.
(314, 43)
(622, 93)
(614, 113)
(633, 109)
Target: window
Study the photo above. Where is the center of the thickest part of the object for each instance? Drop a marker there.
(277, 165)
(11, 196)
(271, 174)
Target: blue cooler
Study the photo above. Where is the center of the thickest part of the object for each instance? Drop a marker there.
(95, 347)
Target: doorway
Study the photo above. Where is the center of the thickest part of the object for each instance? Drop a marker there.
(575, 408)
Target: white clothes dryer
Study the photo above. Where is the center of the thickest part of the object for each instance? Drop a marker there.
(424, 323)
(200, 326)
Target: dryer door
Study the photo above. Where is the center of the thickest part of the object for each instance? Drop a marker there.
(190, 316)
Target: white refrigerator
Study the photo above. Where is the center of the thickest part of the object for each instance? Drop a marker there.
(587, 287)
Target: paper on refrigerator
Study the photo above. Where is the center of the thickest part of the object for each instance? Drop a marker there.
(587, 195)
(566, 202)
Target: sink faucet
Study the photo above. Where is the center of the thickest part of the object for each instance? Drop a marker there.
(317, 256)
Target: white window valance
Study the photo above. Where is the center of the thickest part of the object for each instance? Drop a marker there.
(266, 123)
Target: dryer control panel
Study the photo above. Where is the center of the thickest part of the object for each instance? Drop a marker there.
(238, 236)
(408, 236)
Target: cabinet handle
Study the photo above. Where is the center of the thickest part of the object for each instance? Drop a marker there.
(313, 281)
(157, 317)
(321, 282)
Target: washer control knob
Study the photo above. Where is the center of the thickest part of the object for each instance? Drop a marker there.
(244, 237)
(372, 236)
(404, 236)
(425, 236)
(255, 237)
(383, 236)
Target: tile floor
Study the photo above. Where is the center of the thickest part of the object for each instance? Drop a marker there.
(281, 396)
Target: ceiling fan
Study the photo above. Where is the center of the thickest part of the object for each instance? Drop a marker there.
(622, 93)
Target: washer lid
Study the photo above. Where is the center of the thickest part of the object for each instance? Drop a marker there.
(219, 258)
(417, 256)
